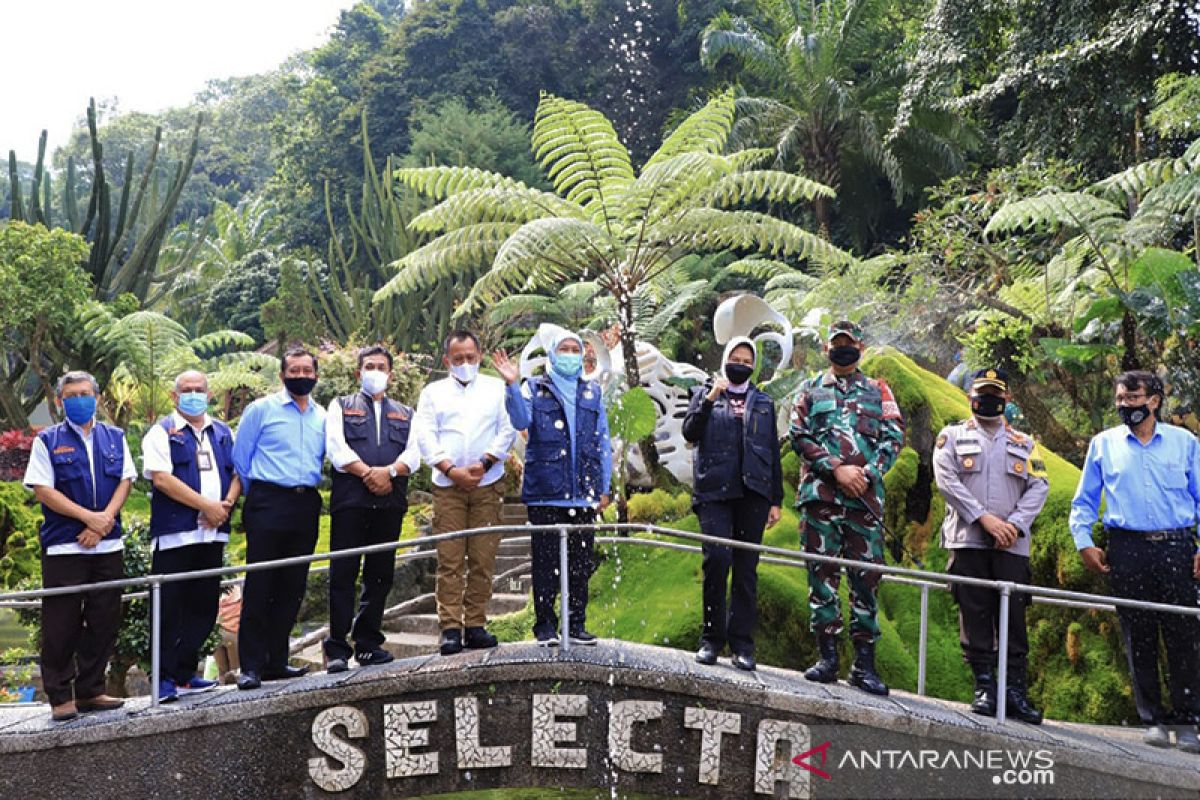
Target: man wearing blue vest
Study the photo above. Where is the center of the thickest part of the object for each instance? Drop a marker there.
(368, 438)
(80, 470)
(188, 456)
(278, 453)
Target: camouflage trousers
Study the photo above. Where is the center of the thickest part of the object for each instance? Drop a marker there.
(833, 530)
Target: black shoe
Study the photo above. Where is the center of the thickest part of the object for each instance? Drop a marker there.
(826, 668)
(1018, 706)
(285, 674)
(580, 636)
(985, 690)
(451, 642)
(706, 655)
(372, 657)
(336, 665)
(743, 661)
(862, 671)
(479, 639)
(546, 638)
(248, 680)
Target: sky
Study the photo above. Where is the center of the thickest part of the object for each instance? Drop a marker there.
(154, 54)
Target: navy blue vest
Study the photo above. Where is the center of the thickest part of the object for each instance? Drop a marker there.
(358, 426)
(74, 476)
(170, 516)
(549, 473)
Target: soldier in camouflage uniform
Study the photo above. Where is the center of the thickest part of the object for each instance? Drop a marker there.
(848, 431)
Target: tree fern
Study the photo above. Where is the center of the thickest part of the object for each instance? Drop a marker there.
(441, 182)
(507, 203)
(772, 185)
(1051, 212)
(706, 131)
(448, 257)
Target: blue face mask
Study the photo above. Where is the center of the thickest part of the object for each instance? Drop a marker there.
(193, 404)
(569, 365)
(80, 410)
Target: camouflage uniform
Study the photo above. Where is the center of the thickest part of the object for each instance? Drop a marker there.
(850, 420)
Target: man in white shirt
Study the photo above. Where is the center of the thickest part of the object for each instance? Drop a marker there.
(188, 456)
(464, 433)
(368, 437)
(80, 470)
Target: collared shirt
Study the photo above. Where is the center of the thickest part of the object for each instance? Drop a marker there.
(40, 472)
(1146, 487)
(988, 471)
(156, 457)
(342, 454)
(463, 424)
(278, 444)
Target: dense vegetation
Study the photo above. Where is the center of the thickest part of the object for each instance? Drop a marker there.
(1015, 182)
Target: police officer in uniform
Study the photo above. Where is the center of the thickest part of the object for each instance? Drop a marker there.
(848, 431)
(367, 438)
(994, 482)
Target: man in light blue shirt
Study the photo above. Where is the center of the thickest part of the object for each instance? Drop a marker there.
(278, 453)
(1148, 473)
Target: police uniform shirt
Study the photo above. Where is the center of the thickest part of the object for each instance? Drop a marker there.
(40, 472)
(156, 457)
(980, 472)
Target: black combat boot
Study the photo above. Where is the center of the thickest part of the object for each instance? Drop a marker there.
(985, 690)
(1019, 707)
(862, 671)
(826, 668)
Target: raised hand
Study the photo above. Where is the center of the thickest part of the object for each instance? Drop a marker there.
(507, 369)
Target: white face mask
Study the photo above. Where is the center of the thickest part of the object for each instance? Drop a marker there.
(374, 381)
(465, 373)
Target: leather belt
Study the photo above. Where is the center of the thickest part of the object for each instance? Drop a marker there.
(1169, 534)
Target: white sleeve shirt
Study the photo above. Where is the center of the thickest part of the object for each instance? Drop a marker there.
(342, 455)
(156, 457)
(462, 424)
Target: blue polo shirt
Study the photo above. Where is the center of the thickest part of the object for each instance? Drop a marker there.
(1146, 487)
(279, 444)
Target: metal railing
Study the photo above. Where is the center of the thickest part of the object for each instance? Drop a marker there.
(771, 555)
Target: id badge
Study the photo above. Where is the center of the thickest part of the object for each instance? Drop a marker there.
(205, 460)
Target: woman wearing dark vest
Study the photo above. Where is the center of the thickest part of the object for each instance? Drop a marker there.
(369, 442)
(188, 457)
(737, 490)
(568, 467)
(81, 471)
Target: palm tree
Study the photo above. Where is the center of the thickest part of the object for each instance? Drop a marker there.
(603, 223)
(829, 98)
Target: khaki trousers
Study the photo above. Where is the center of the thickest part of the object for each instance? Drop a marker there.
(466, 566)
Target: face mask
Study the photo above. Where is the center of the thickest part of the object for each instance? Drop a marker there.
(844, 356)
(193, 404)
(1134, 415)
(569, 365)
(80, 410)
(299, 387)
(374, 381)
(465, 373)
(987, 405)
(738, 373)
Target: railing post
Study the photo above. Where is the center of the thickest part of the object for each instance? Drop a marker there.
(923, 637)
(1002, 656)
(564, 586)
(155, 628)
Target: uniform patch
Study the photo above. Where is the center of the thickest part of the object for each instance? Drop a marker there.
(1036, 464)
(941, 440)
(400, 415)
(353, 412)
(891, 409)
(968, 462)
(66, 448)
(1019, 467)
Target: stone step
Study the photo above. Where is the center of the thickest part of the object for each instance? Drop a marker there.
(513, 549)
(504, 563)
(407, 645)
(424, 624)
(506, 603)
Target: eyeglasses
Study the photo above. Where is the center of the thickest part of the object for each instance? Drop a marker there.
(1132, 399)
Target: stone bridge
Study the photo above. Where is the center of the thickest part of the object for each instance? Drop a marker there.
(621, 718)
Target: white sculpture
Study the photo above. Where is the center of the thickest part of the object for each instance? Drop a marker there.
(740, 315)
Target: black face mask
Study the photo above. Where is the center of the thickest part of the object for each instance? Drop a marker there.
(738, 373)
(299, 387)
(987, 405)
(844, 356)
(1134, 415)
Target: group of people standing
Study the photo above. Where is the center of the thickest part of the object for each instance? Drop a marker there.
(846, 428)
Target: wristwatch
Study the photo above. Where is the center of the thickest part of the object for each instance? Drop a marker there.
(392, 471)
(488, 462)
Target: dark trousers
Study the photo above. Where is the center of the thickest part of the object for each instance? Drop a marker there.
(280, 523)
(545, 549)
(79, 630)
(350, 528)
(741, 520)
(1158, 572)
(979, 608)
(189, 608)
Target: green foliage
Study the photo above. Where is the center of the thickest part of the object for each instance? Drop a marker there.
(338, 367)
(632, 415)
(20, 553)
(1176, 100)
(488, 136)
(659, 506)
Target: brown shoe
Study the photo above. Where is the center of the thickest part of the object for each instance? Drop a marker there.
(100, 702)
(64, 711)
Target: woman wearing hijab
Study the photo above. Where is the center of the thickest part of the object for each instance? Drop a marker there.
(568, 466)
(737, 490)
